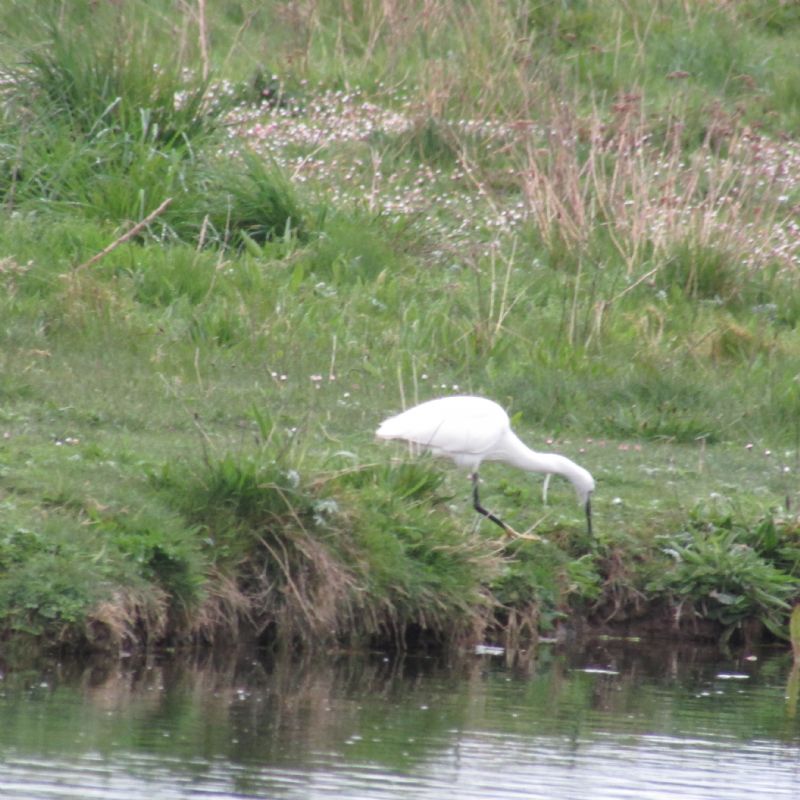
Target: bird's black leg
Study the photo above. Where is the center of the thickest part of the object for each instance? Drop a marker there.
(476, 503)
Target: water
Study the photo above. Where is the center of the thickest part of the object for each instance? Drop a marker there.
(611, 721)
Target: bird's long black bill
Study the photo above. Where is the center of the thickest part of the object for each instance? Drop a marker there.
(589, 516)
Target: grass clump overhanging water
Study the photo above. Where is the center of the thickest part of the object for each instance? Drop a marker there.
(306, 561)
(231, 244)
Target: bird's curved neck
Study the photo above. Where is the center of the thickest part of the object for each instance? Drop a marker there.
(517, 453)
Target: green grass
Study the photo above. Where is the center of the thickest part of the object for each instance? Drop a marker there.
(533, 204)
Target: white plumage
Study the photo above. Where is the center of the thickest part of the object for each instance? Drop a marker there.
(470, 430)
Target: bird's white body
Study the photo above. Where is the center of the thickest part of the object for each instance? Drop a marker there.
(466, 429)
(470, 430)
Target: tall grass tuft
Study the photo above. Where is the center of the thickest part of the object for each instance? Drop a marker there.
(105, 121)
(115, 83)
(236, 201)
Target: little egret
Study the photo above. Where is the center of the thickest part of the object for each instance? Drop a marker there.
(470, 430)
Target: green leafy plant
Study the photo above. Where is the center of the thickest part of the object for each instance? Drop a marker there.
(720, 573)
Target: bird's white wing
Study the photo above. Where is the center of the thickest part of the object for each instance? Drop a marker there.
(449, 425)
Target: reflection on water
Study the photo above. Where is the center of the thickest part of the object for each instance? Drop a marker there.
(610, 721)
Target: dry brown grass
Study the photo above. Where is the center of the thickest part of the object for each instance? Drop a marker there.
(637, 186)
(129, 618)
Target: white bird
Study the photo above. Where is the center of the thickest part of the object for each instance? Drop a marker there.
(470, 430)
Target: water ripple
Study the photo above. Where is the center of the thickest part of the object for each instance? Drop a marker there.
(605, 733)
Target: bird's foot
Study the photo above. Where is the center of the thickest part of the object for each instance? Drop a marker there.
(528, 536)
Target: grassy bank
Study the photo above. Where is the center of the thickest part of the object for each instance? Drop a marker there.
(221, 272)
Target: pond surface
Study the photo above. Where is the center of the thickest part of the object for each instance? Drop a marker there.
(612, 720)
